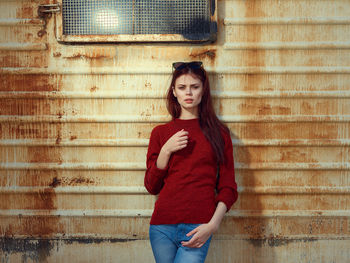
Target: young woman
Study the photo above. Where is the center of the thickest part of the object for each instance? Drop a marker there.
(190, 166)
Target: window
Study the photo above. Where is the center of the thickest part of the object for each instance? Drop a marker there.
(137, 20)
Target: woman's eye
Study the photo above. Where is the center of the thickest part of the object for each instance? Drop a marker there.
(195, 87)
(181, 87)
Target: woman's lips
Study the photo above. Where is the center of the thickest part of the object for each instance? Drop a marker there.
(189, 101)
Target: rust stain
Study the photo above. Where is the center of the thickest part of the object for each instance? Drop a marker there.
(88, 53)
(22, 130)
(41, 200)
(146, 113)
(258, 107)
(57, 54)
(47, 199)
(39, 250)
(275, 241)
(148, 84)
(66, 181)
(255, 229)
(93, 89)
(41, 33)
(85, 56)
(25, 107)
(293, 156)
(290, 130)
(43, 154)
(73, 137)
(26, 10)
(55, 182)
(35, 59)
(297, 156)
(265, 109)
(306, 107)
(253, 34)
(29, 36)
(202, 54)
(28, 82)
(80, 180)
(268, 109)
(41, 227)
(58, 138)
(60, 114)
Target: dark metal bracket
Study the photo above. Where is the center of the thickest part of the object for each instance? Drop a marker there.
(48, 9)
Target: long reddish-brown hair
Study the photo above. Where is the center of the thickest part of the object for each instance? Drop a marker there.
(209, 122)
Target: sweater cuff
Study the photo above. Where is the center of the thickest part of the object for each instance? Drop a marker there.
(158, 172)
(228, 196)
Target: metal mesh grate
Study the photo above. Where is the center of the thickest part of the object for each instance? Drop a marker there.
(107, 17)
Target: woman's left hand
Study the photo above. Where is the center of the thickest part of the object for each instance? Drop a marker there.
(200, 235)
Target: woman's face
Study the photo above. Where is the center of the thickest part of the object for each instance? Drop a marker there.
(188, 90)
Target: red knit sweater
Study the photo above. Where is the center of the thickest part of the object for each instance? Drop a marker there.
(186, 187)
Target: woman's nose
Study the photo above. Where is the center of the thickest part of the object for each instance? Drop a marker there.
(188, 91)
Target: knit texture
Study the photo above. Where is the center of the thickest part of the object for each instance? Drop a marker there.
(186, 187)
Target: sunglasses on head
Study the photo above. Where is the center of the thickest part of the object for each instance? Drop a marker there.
(191, 65)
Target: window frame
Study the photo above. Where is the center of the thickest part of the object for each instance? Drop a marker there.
(137, 37)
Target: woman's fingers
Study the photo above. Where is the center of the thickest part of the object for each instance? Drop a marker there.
(200, 235)
(182, 133)
(182, 140)
(178, 141)
(193, 242)
(192, 232)
(190, 243)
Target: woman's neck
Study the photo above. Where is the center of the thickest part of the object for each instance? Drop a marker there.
(187, 114)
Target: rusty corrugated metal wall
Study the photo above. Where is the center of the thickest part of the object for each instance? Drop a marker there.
(75, 122)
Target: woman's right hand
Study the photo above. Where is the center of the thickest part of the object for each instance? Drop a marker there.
(176, 142)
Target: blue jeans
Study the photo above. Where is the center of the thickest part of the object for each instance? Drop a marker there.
(167, 248)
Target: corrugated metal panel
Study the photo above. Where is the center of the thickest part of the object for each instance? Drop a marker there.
(75, 122)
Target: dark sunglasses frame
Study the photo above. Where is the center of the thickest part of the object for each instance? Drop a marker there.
(191, 65)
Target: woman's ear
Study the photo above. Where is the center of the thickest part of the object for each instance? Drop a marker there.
(174, 92)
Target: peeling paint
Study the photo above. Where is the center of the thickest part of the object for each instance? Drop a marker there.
(37, 250)
(81, 56)
(278, 242)
(203, 54)
(55, 182)
(57, 54)
(64, 181)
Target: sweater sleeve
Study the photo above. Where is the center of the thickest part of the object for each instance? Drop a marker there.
(227, 187)
(154, 176)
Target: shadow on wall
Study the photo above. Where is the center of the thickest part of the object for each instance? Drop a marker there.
(250, 228)
(244, 235)
(205, 30)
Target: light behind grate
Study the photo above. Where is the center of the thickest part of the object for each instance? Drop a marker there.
(109, 17)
